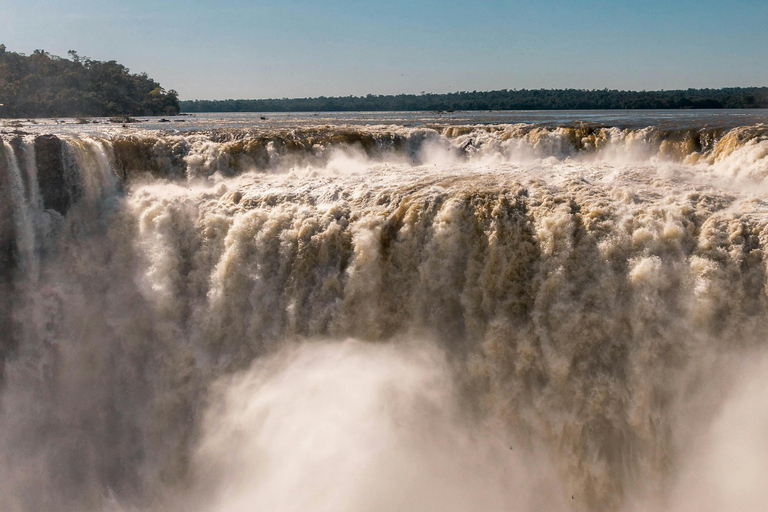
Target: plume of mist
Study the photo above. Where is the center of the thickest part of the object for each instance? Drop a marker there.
(349, 426)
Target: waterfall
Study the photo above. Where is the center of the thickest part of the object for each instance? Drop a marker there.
(383, 318)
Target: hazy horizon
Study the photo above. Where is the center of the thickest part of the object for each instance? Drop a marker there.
(473, 91)
(260, 50)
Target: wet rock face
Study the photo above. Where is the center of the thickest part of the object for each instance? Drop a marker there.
(50, 174)
(6, 216)
(7, 250)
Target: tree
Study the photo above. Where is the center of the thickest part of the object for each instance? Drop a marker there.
(44, 85)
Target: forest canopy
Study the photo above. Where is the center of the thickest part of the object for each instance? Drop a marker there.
(44, 85)
(524, 99)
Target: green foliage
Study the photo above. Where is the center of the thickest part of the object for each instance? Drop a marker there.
(537, 99)
(43, 85)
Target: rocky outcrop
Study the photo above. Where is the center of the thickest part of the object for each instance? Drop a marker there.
(50, 174)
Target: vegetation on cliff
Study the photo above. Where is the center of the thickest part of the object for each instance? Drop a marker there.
(44, 85)
(538, 99)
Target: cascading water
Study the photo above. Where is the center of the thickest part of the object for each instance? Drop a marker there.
(381, 318)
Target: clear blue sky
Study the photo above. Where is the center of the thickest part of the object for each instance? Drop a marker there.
(254, 49)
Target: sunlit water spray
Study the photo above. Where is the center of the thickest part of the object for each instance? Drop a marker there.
(346, 426)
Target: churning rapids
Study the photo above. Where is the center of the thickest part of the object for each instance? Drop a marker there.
(374, 318)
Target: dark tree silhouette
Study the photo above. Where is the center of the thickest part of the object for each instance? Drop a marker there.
(43, 85)
(537, 99)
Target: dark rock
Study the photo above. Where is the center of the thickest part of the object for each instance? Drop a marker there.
(50, 174)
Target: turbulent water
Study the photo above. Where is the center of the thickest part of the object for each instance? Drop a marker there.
(420, 315)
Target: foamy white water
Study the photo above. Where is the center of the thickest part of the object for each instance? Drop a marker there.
(375, 317)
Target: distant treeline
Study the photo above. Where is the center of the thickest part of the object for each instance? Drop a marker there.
(43, 85)
(535, 99)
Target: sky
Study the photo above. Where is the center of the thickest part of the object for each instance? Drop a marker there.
(254, 49)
